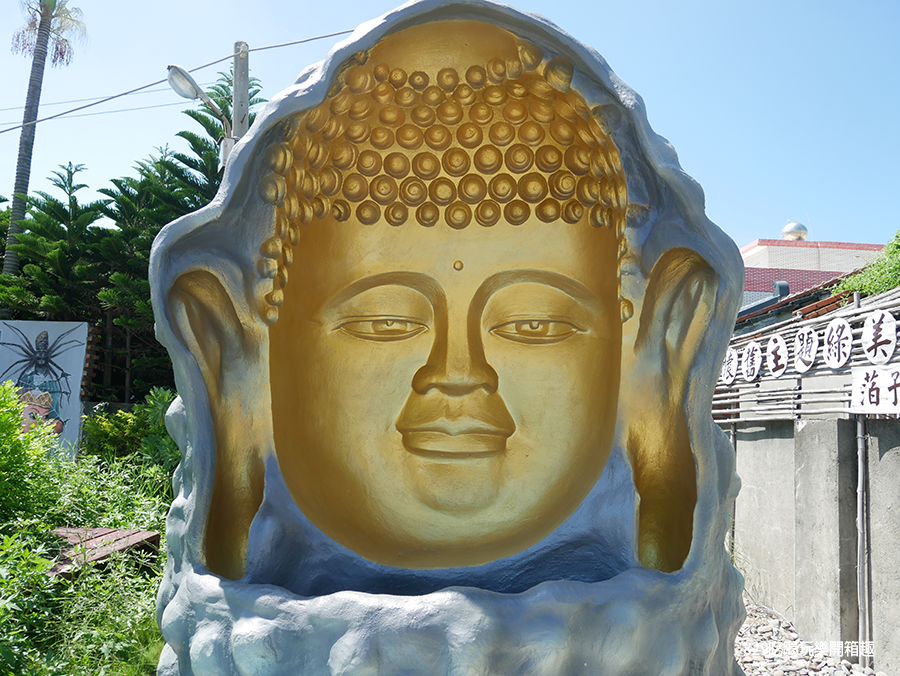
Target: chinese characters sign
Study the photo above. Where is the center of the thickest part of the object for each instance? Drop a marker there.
(876, 389)
(777, 355)
(879, 337)
(806, 345)
(751, 361)
(878, 341)
(730, 366)
(838, 343)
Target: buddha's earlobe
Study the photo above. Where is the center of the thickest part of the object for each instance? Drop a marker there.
(675, 315)
(228, 352)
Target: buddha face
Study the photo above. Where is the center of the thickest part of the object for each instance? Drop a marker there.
(445, 397)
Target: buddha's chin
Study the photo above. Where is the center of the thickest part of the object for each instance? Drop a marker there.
(456, 485)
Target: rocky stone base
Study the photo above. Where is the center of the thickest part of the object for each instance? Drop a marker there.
(767, 644)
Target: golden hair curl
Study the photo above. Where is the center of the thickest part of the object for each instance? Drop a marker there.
(500, 141)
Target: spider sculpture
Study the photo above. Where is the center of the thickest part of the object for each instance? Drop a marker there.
(38, 362)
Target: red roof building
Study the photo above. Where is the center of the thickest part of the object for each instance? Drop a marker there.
(802, 264)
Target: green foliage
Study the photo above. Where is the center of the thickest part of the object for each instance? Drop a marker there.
(75, 269)
(139, 433)
(103, 620)
(30, 603)
(140, 206)
(61, 273)
(110, 618)
(27, 484)
(882, 274)
(125, 493)
(124, 484)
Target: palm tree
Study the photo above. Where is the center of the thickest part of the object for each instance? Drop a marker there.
(50, 24)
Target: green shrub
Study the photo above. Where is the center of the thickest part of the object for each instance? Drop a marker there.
(110, 618)
(140, 433)
(122, 493)
(30, 604)
(882, 274)
(111, 435)
(103, 621)
(27, 487)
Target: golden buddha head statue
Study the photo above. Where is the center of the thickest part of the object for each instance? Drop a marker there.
(455, 314)
(451, 222)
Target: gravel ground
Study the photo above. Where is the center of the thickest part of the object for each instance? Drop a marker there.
(767, 644)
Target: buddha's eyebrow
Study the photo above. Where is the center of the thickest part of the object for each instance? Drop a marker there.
(417, 281)
(569, 286)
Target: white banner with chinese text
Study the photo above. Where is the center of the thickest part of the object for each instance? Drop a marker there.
(876, 389)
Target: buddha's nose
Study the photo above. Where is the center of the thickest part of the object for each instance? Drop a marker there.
(456, 365)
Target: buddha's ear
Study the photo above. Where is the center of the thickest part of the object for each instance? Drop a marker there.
(206, 323)
(675, 315)
(676, 312)
(231, 361)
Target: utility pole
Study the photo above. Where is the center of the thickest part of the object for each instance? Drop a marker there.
(184, 85)
(240, 114)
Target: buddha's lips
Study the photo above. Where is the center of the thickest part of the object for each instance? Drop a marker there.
(461, 438)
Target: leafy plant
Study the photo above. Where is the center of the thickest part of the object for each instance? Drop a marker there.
(103, 620)
(139, 433)
(58, 249)
(882, 274)
(110, 618)
(30, 603)
(123, 493)
(27, 486)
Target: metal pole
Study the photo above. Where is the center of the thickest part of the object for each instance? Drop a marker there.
(861, 453)
(240, 114)
(733, 504)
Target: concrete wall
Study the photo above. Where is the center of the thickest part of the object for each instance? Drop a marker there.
(795, 527)
(825, 530)
(765, 463)
(884, 541)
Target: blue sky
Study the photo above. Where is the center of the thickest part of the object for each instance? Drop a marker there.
(781, 109)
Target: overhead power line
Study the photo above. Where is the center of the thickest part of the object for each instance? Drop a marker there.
(124, 110)
(158, 82)
(92, 98)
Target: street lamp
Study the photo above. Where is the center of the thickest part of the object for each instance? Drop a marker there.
(184, 85)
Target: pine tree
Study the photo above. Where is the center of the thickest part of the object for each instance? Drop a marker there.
(60, 267)
(75, 268)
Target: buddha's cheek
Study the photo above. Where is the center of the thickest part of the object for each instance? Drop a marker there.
(336, 440)
(359, 390)
(563, 401)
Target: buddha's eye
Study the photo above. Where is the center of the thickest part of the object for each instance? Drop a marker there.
(383, 328)
(536, 331)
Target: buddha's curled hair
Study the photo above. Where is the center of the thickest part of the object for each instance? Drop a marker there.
(499, 142)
